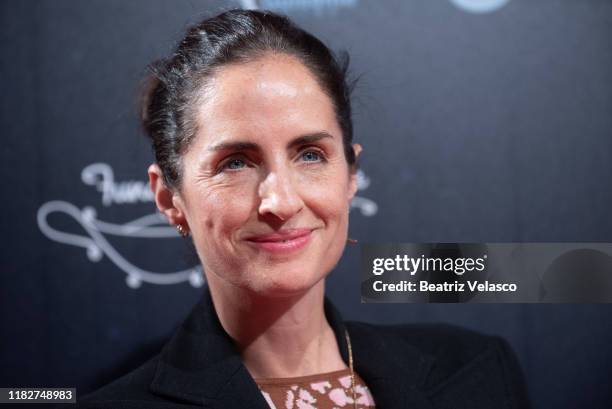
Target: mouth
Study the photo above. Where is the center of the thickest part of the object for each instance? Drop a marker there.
(284, 241)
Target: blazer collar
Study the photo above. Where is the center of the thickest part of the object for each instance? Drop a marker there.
(201, 365)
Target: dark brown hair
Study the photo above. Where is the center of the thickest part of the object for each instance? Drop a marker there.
(234, 36)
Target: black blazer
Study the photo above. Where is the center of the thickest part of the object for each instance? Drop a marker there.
(405, 366)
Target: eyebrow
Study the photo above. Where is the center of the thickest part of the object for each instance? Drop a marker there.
(250, 146)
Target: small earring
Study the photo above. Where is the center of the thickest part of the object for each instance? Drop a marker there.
(181, 230)
(351, 241)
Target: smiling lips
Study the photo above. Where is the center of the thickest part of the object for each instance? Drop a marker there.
(282, 241)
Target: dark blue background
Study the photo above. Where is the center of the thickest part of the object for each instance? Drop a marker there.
(476, 127)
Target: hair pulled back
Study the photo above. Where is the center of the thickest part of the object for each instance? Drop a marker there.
(235, 36)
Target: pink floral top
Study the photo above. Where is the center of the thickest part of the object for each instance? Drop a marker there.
(329, 390)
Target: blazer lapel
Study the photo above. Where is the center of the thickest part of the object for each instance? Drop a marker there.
(393, 370)
(201, 365)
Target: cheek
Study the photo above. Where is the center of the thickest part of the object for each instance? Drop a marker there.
(217, 217)
(327, 192)
(218, 211)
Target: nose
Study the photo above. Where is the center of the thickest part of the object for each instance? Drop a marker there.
(279, 196)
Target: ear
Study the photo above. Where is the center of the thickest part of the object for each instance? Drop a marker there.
(168, 202)
(353, 176)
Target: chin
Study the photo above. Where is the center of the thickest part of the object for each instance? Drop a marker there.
(286, 284)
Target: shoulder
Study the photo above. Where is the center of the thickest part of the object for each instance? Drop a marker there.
(437, 340)
(460, 360)
(128, 391)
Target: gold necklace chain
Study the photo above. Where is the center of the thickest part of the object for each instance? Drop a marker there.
(350, 353)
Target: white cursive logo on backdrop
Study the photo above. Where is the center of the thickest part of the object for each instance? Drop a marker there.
(152, 226)
(96, 245)
(480, 6)
(287, 6)
(367, 207)
(249, 4)
(101, 176)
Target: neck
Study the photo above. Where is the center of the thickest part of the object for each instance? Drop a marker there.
(278, 337)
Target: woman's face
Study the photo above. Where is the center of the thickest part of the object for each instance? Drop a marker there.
(266, 187)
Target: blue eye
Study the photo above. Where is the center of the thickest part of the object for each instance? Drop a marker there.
(311, 156)
(234, 164)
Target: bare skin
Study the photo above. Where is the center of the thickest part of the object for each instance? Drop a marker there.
(265, 193)
(287, 337)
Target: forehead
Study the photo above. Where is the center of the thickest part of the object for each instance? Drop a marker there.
(272, 95)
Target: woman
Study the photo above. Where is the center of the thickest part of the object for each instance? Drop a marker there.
(250, 121)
